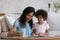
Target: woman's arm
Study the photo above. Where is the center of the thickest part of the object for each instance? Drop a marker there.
(12, 29)
(12, 32)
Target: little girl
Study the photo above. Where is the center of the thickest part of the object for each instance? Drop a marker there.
(41, 27)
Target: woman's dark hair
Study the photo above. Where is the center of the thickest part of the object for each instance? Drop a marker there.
(26, 11)
(42, 13)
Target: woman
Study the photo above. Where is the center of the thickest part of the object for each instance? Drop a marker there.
(24, 23)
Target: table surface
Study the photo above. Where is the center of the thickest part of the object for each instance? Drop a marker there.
(38, 38)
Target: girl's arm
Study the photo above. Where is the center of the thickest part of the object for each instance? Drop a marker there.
(46, 32)
(47, 28)
(34, 31)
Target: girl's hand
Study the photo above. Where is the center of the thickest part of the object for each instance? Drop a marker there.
(42, 34)
(46, 33)
(33, 34)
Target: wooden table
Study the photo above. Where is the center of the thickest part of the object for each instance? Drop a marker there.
(39, 38)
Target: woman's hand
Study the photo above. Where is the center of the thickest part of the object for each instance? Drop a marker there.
(12, 32)
(20, 34)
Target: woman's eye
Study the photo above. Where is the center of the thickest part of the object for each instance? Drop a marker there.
(29, 15)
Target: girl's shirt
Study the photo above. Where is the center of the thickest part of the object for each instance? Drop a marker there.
(41, 28)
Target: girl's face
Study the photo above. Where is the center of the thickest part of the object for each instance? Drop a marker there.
(40, 19)
(29, 16)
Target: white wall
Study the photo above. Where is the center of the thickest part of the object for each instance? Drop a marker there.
(54, 20)
(9, 6)
(17, 6)
(0, 6)
(13, 6)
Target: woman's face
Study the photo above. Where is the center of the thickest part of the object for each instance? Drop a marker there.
(29, 16)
